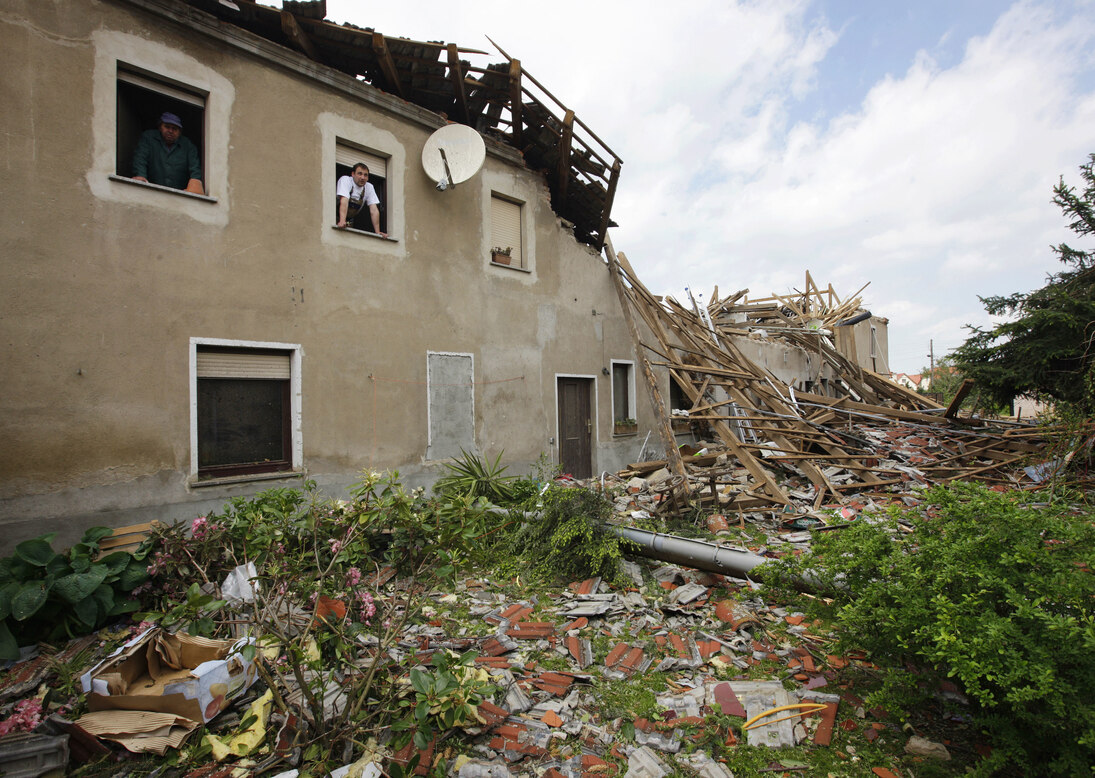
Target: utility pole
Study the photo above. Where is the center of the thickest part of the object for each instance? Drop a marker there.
(931, 363)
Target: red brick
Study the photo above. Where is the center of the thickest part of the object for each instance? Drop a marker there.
(708, 648)
(678, 645)
(491, 713)
(579, 623)
(591, 760)
(824, 734)
(531, 630)
(728, 701)
(808, 664)
(615, 655)
(574, 646)
(634, 658)
(494, 647)
(513, 610)
(551, 718)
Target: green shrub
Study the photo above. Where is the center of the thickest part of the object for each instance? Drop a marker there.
(46, 596)
(569, 539)
(993, 593)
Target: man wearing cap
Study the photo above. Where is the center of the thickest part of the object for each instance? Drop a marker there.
(165, 157)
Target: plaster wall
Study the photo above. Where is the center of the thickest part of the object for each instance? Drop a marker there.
(110, 281)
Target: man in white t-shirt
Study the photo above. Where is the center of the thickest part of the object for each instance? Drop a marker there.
(354, 193)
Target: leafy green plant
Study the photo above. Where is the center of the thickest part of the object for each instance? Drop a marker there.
(569, 539)
(47, 596)
(989, 591)
(470, 476)
(446, 695)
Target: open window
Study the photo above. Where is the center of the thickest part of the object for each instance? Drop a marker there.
(142, 98)
(505, 232)
(347, 156)
(244, 410)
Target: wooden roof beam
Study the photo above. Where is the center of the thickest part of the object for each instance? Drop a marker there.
(563, 167)
(387, 65)
(456, 74)
(606, 210)
(295, 33)
(515, 102)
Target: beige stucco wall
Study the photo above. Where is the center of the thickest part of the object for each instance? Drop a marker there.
(108, 282)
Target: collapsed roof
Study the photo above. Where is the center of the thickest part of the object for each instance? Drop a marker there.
(500, 100)
(866, 435)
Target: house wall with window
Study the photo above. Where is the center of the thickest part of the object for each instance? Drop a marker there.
(166, 350)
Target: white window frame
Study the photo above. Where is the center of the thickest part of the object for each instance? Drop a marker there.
(167, 66)
(504, 235)
(338, 130)
(378, 163)
(631, 408)
(295, 426)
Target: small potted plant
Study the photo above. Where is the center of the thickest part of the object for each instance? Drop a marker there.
(501, 256)
(625, 427)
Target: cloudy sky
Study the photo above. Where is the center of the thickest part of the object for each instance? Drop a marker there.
(911, 144)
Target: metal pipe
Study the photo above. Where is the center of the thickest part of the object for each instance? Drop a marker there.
(699, 554)
(692, 553)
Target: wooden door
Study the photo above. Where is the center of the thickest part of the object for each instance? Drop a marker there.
(576, 426)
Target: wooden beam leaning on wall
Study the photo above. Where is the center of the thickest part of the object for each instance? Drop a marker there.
(665, 430)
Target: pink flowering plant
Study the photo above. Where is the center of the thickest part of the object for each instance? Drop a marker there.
(338, 581)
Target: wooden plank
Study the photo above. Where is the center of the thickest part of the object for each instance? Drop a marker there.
(959, 396)
(669, 442)
(456, 75)
(562, 170)
(387, 65)
(298, 36)
(516, 103)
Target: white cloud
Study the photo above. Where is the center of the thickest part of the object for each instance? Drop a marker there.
(935, 188)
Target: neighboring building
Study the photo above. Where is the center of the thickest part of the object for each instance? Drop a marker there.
(166, 350)
(913, 381)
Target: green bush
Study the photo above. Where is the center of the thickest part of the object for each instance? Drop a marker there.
(988, 591)
(569, 539)
(46, 596)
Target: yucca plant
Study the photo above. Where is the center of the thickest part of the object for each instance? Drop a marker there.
(471, 476)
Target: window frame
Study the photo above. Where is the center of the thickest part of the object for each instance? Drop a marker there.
(629, 387)
(131, 121)
(507, 233)
(383, 194)
(291, 431)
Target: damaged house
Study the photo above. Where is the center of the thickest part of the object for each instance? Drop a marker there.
(167, 349)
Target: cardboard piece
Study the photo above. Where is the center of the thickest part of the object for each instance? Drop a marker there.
(139, 731)
(187, 676)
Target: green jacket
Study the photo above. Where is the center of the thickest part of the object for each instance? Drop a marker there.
(172, 167)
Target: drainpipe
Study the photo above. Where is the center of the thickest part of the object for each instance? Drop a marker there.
(698, 554)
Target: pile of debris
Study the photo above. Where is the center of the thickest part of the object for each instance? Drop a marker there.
(777, 447)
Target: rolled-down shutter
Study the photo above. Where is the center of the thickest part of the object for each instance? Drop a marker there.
(243, 364)
(505, 225)
(350, 156)
(159, 86)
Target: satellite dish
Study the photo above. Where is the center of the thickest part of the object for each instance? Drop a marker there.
(452, 155)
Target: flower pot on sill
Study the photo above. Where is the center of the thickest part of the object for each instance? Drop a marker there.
(625, 429)
(499, 259)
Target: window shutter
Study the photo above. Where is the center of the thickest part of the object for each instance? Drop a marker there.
(241, 364)
(159, 86)
(505, 225)
(350, 156)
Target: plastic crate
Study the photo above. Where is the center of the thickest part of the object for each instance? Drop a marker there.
(27, 755)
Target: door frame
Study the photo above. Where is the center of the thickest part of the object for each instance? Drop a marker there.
(593, 408)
